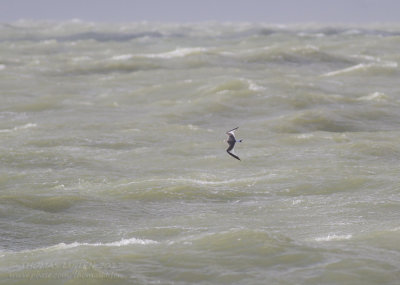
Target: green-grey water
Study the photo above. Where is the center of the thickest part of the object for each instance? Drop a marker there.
(113, 167)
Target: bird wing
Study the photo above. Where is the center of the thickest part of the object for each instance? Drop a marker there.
(232, 131)
(231, 154)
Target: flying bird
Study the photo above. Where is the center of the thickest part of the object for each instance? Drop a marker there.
(231, 142)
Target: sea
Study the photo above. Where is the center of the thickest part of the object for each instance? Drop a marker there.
(113, 162)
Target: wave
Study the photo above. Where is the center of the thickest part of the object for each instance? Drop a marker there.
(179, 52)
(240, 86)
(52, 204)
(334, 237)
(63, 246)
(122, 57)
(80, 30)
(17, 128)
(129, 62)
(363, 67)
(254, 86)
(342, 30)
(106, 37)
(189, 189)
(122, 242)
(251, 245)
(317, 120)
(300, 55)
(201, 182)
(376, 96)
(86, 36)
(118, 63)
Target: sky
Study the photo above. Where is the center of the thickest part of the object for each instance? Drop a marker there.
(266, 11)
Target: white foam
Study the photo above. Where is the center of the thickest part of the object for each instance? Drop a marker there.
(346, 70)
(204, 181)
(334, 237)
(179, 52)
(129, 242)
(17, 128)
(376, 96)
(307, 48)
(123, 242)
(254, 87)
(390, 64)
(363, 66)
(192, 127)
(63, 246)
(297, 201)
(367, 57)
(305, 136)
(26, 126)
(2, 67)
(122, 57)
(184, 180)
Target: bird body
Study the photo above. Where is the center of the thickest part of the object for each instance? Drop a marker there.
(231, 142)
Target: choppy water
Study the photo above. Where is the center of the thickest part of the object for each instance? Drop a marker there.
(113, 167)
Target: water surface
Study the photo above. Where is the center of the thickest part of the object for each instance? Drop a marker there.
(113, 167)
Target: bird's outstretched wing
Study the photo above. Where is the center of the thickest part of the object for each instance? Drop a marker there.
(233, 155)
(231, 131)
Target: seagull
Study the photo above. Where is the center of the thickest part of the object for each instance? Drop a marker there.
(231, 142)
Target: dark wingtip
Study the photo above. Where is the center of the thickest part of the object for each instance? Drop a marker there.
(232, 129)
(231, 154)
